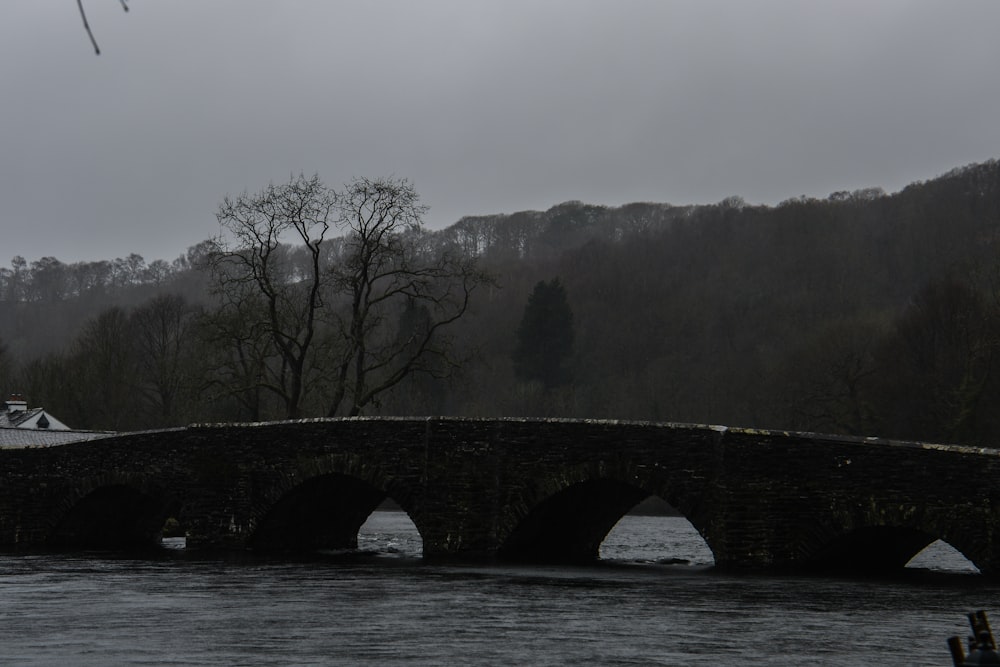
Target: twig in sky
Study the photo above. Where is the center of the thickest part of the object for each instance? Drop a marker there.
(86, 26)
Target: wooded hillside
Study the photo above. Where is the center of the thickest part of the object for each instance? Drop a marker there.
(863, 313)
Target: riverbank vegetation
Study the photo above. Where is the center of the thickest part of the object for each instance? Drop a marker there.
(863, 313)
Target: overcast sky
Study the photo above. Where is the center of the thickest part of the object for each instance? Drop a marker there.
(487, 107)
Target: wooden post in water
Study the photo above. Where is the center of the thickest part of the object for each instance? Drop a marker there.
(957, 652)
(980, 625)
(982, 645)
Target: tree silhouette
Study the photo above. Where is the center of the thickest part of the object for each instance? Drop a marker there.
(545, 336)
(326, 315)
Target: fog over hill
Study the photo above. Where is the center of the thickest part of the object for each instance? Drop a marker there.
(863, 312)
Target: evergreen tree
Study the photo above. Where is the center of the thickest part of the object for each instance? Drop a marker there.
(545, 336)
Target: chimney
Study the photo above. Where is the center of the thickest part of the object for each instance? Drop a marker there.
(16, 403)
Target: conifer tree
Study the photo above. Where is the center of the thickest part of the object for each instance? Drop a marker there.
(545, 336)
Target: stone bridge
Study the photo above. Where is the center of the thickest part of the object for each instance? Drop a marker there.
(538, 490)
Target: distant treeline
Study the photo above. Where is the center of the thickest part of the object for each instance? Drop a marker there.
(863, 313)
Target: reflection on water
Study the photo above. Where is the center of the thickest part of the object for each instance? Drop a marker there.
(389, 608)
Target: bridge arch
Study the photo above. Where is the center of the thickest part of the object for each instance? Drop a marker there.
(479, 487)
(112, 511)
(322, 505)
(565, 518)
(880, 537)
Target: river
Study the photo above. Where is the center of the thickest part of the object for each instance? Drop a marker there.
(654, 599)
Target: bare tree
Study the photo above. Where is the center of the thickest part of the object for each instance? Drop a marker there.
(254, 267)
(400, 294)
(102, 372)
(940, 364)
(162, 333)
(345, 318)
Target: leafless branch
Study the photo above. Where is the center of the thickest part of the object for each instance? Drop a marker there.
(86, 25)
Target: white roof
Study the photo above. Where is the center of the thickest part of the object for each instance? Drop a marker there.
(40, 419)
(18, 438)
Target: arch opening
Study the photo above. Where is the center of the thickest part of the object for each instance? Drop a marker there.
(389, 531)
(113, 517)
(888, 549)
(174, 534)
(939, 556)
(656, 532)
(325, 513)
(570, 526)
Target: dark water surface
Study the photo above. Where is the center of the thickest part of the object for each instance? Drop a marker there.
(386, 607)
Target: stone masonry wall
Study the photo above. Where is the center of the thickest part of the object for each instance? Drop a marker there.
(760, 499)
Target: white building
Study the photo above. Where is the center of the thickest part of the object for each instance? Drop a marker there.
(15, 414)
(34, 427)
